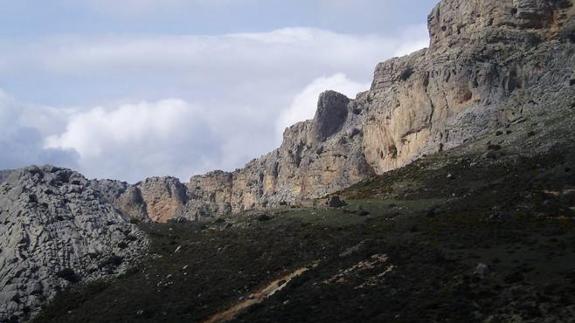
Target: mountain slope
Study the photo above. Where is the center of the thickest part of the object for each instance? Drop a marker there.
(454, 237)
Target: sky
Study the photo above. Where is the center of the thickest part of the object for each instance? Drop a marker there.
(137, 88)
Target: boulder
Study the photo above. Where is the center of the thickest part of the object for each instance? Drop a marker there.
(335, 202)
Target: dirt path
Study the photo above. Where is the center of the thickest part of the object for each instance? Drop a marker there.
(258, 296)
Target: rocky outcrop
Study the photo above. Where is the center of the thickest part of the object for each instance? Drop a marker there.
(210, 194)
(330, 116)
(56, 230)
(165, 198)
(490, 63)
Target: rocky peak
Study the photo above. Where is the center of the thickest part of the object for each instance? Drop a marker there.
(330, 115)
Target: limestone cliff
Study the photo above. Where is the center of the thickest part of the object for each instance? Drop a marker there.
(491, 63)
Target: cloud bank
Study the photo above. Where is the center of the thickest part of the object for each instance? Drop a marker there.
(128, 140)
(141, 106)
(22, 131)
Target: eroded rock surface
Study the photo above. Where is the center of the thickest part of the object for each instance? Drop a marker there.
(56, 229)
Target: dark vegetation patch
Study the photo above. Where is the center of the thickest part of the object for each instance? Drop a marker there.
(69, 275)
(71, 299)
(112, 261)
(406, 73)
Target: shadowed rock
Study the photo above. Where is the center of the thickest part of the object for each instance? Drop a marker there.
(330, 115)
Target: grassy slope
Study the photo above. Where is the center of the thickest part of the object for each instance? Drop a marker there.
(435, 220)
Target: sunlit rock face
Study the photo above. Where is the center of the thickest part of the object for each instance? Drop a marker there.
(491, 63)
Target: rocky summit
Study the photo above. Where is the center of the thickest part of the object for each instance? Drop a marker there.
(431, 193)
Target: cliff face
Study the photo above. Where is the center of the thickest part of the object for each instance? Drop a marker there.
(490, 63)
(486, 66)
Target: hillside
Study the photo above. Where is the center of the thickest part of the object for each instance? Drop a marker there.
(456, 169)
(456, 237)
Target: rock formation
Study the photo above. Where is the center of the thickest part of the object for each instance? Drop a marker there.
(490, 63)
(56, 230)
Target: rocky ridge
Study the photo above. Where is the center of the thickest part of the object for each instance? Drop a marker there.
(57, 230)
(490, 64)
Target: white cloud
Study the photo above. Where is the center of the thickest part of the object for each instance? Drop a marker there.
(415, 38)
(22, 129)
(196, 57)
(168, 137)
(174, 137)
(304, 105)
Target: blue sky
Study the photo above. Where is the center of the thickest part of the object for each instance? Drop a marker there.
(33, 18)
(135, 88)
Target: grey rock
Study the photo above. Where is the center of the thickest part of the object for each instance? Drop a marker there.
(331, 114)
(481, 270)
(56, 230)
